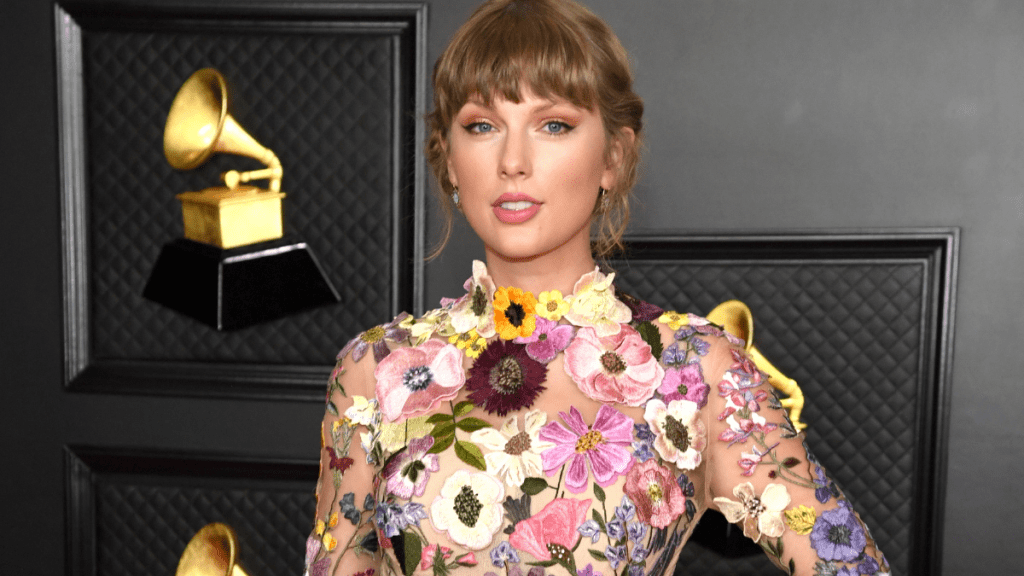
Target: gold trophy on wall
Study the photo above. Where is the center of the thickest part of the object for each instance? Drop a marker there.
(198, 126)
(235, 267)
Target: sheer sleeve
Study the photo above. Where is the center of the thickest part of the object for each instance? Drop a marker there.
(763, 477)
(344, 541)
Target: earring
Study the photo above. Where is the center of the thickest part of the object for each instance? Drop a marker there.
(602, 195)
(455, 196)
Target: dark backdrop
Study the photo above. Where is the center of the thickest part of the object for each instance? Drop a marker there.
(763, 116)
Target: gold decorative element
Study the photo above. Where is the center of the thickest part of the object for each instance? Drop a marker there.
(211, 552)
(199, 125)
(737, 319)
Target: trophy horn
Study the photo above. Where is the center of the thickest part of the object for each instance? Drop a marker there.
(737, 319)
(211, 552)
(199, 124)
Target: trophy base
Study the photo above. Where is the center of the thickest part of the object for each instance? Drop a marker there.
(240, 287)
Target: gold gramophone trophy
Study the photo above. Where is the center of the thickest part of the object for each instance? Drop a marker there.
(235, 267)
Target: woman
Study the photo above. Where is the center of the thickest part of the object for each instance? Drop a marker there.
(542, 423)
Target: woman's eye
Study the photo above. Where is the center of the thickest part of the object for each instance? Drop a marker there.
(557, 127)
(479, 128)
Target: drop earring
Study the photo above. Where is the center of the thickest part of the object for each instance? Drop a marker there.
(602, 195)
(455, 196)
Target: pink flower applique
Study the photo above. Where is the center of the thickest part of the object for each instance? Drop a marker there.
(658, 498)
(741, 428)
(740, 391)
(429, 553)
(412, 381)
(408, 472)
(603, 447)
(685, 383)
(551, 533)
(548, 339)
(616, 368)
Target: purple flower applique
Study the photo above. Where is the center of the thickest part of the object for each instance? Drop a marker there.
(590, 529)
(602, 447)
(868, 566)
(616, 555)
(375, 338)
(548, 339)
(642, 311)
(588, 571)
(826, 488)
(616, 529)
(837, 535)
(673, 356)
(502, 553)
(685, 383)
(636, 532)
(625, 510)
(392, 519)
(407, 473)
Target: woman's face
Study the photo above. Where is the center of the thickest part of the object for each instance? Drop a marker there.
(528, 174)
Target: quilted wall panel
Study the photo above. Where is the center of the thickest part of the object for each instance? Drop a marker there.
(145, 511)
(324, 102)
(850, 335)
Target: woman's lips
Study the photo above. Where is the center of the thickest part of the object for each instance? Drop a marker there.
(515, 208)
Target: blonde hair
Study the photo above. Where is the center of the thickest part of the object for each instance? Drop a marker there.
(553, 48)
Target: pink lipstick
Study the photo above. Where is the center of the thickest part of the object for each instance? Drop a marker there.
(515, 208)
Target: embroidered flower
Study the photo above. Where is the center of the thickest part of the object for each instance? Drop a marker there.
(588, 571)
(837, 535)
(673, 319)
(408, 472)
(749, 460)
(474, 310)
(616, 555)
(741, 428)
(594, 304)
(761, 516)
(801, 519)
(551, 533)
(470, 341)
(435, 321)
(643, 447)
(348, 509)
(679, 433)
(551, 305)
(740, 389)
(640, 311)
(432, 553)
(614, 368)
(392, 518)
(653, 489)
(469, 508)
(826, 488)
(603, 447)
(515, 454)
(504, 553)
(412, 381)
(363, 412)
(514, 313)
(685, 383)
(315, 567)
(504, 378)
(590, 529)
(548, 339)
(375, 338)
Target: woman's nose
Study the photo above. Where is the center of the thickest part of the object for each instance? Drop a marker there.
(515, 155)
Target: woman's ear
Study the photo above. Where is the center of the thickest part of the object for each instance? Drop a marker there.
(616, 155)
(451, 166)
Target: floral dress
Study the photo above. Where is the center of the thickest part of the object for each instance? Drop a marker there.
(507, 434)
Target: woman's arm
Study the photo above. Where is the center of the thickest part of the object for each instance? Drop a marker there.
(344, 541)
(763, 477)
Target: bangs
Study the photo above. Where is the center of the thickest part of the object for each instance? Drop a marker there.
(520, 49)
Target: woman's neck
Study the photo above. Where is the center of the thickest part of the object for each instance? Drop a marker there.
(556, 270)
